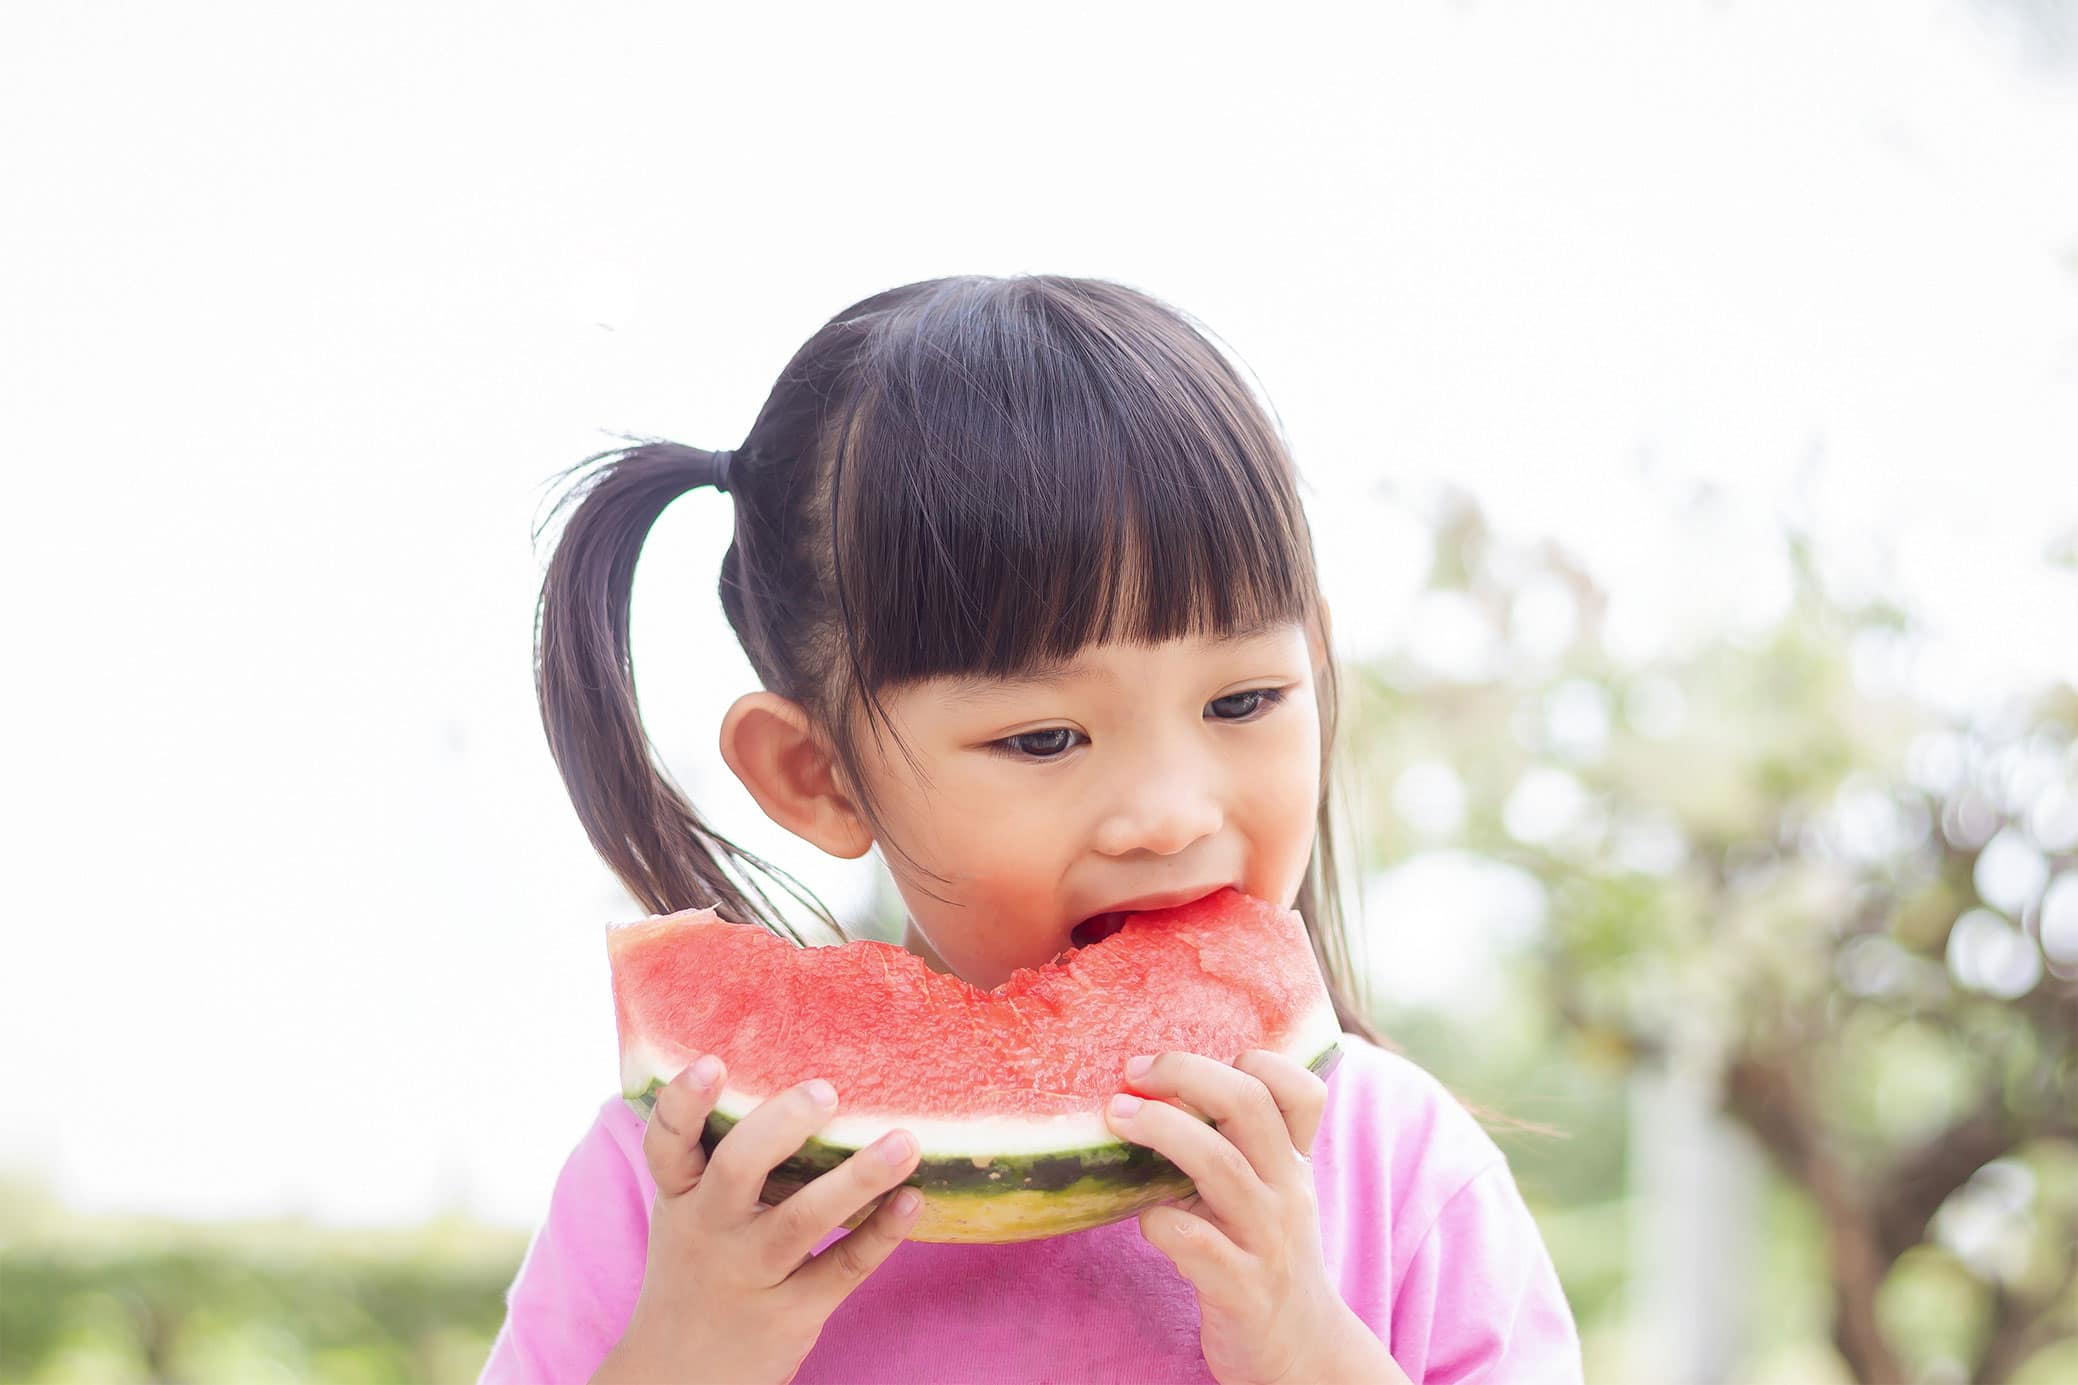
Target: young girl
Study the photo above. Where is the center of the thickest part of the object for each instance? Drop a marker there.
(1021, 566)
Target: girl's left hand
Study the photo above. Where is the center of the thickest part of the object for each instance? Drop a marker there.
(1249, 1239)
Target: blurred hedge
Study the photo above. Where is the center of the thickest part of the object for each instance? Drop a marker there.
(114, 1299)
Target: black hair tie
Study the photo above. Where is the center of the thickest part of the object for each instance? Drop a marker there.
(715, 472)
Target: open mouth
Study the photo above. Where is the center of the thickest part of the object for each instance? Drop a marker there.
(1096, 929)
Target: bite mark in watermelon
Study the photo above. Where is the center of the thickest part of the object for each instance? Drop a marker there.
(1004, 1089)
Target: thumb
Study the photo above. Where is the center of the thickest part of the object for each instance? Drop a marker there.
(671, 1144)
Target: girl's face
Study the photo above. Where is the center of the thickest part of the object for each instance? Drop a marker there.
(1133, 777)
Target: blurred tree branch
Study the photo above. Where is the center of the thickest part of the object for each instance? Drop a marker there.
(1766, 1094)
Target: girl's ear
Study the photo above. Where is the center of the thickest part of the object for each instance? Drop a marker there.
(768, 744)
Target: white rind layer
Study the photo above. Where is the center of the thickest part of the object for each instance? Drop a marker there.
(977, 1136)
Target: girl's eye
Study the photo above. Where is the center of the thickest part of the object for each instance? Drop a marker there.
(1056, 741)
(1245, 704)
(1049, 744)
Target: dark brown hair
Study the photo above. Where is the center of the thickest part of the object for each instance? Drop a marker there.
(968, 475)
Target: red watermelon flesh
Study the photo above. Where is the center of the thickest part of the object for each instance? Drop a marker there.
(1004, 1089)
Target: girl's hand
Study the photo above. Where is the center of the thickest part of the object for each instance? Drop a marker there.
(730, 1291)
(1249, 1239)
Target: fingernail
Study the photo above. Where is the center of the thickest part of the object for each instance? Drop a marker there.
(1123, 1105)
(906, 1202)
(1137, 1067)
(895, 1147)
(821, 1092)
(706, 1070)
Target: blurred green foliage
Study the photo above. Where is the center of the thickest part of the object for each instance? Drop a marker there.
(102, 1300)
(1765, 858)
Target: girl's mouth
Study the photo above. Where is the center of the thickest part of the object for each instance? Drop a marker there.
(1097, 928)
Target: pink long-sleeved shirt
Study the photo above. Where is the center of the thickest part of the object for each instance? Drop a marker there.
(1422, 1229)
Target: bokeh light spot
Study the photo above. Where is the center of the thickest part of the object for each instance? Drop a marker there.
(1988, 954)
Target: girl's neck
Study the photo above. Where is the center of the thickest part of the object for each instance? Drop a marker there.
(914, 941)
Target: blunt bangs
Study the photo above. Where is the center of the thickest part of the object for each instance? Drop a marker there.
(1026, 473)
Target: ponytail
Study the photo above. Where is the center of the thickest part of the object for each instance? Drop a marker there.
(650, 836)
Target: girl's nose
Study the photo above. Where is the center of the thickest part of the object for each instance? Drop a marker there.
(1162, 816)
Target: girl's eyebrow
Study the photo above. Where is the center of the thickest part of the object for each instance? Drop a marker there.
(1052, 673)
(978, 687)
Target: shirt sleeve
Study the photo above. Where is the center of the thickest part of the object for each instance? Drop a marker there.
(576, 1288)
(1480, 1302)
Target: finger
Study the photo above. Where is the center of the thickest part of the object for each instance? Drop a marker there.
(829, 1278)
(1201, 1252)
(791, 1230)
(1226, 1185)
(1239, 1104)
(671, 1144)
(760, 1142)
(1300, 1093)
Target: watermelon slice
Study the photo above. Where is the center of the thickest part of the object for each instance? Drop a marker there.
(1004, 1089)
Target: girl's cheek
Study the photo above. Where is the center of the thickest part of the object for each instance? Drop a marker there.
(1292, 760)
(989, 806)
(1287, 820)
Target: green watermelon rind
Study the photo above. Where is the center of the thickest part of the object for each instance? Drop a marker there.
(995, 1198)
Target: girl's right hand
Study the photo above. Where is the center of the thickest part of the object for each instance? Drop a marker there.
(730, 1291)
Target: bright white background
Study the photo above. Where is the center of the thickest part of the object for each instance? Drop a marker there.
(299, 313)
